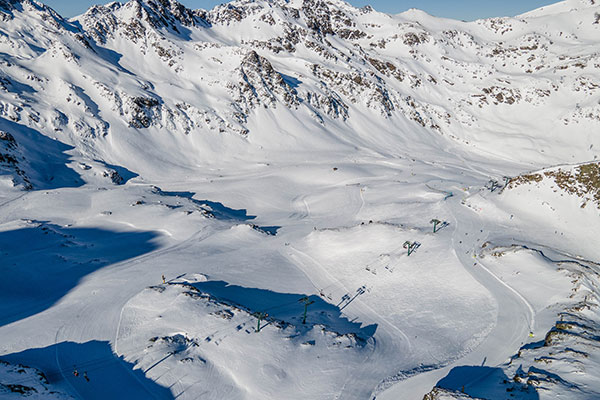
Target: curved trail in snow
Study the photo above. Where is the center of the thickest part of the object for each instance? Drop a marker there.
(98, 318)
(100, 321)
(327, 277)
(386, 337)
(7, 202)
(388, 340)
(514, 321)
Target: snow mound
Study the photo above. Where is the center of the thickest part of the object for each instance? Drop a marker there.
(182, 336)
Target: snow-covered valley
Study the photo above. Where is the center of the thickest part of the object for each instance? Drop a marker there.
(298, 199)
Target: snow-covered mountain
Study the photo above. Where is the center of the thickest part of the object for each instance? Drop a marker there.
(156, 69)
(266, 151)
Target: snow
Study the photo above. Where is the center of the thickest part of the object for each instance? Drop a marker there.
(19, 381)
(179, 190)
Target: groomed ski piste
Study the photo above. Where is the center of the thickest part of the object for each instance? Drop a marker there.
(305, 256)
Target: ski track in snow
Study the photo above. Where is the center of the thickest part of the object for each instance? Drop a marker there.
(386, 340)
(507, 335)
(76, 331)
(500, 343)
(286, 119)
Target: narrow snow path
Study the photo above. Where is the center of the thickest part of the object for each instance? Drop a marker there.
(513, 323)
(89, 315)
(389, 339)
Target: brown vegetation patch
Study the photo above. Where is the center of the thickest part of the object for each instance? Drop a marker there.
(582, 181)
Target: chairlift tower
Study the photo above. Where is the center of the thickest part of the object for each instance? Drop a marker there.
(260, 316)
(409, 246)
(435, 223)
(307, 302)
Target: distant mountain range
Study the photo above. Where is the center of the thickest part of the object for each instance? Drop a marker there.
(525, 88)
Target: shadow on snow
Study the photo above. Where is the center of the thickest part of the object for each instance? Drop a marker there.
(219, 210)
(222, 212)
(286, 307)
(41, 263)
(291, 81)
(45, 159)
(486, 382)
(122, 171)
(110, 376)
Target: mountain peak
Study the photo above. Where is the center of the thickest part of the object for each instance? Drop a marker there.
(163, 12)
(135, 16)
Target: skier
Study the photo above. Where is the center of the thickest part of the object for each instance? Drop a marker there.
(163, 278)
(85, 376)
(75, 372)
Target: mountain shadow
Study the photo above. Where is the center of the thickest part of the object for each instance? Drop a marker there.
(287, 308)
(222, 212)
(108, 375)
(489, 383)
(43, 262)
(40, 159)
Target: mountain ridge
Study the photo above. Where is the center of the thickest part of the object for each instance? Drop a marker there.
(452, 82)
(299, 197)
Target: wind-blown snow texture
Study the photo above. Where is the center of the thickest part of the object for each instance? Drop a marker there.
(270, 151)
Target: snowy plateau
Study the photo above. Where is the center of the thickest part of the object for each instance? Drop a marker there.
(299, 199)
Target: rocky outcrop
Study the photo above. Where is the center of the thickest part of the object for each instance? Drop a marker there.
(155, 64)
(357, 68)
(21, 381)
(581, 181)
(142, 111)
(7, 5)
(445, 394)
(102, 22)
(11, 159)
(260, 84)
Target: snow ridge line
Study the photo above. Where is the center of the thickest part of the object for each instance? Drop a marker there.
(141, 258)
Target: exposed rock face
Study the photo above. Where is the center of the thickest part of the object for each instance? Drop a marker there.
(261, 84)
(445, 394)
(11, 159)
(23, 381)
(143, 111)
(580, 181)
(101, 21)
(369, 75)
(157, 65)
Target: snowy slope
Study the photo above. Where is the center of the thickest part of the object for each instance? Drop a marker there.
(20, 381)
(210, 78)
(274, 156)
